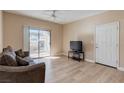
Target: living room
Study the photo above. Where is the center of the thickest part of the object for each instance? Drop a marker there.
(46, 35)
(61, 46)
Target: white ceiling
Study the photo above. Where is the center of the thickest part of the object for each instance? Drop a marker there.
(63, 16)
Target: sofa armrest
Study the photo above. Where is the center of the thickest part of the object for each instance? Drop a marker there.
(21, 68)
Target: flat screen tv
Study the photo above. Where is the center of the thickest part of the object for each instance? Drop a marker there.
(76, 45)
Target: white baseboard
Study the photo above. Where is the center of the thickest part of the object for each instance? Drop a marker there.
(65, 54)
(120, 68)
(88, 60)
(56, 54)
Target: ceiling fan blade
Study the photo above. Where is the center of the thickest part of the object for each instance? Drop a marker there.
(53, 15)
(51, 12)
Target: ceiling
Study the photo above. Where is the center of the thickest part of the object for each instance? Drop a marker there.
(62, 16)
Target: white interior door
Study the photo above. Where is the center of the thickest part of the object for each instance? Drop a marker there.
(107, 44)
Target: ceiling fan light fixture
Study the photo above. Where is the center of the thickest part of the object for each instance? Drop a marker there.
(53, 15)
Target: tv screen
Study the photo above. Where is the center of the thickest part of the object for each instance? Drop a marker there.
(76, 45)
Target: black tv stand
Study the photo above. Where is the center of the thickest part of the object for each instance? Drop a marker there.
(76, 55)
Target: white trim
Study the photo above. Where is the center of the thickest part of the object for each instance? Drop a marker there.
(120, 68)
(65, 54)
(118, 44)
(88, 60)
(56, 54)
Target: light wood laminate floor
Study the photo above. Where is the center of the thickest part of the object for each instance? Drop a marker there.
(61, 70)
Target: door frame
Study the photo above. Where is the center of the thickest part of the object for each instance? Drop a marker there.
(117, 45)
(38, 38)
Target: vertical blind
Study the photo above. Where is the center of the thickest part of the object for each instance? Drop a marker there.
(26, 38)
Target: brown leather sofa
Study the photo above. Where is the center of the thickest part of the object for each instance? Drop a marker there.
(34, 73)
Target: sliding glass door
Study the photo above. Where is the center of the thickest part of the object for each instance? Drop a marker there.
(34, 46)
(39, 43)
(44, 43)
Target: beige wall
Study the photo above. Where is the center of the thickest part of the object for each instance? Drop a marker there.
(1, 32)
(84, 30)
(13, 31)
(80, 30)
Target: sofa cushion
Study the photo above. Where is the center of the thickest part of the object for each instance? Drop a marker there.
(28, 59)
(21, 61)
(20, 53)
(8, 60)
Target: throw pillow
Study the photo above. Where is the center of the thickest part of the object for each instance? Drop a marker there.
(8, 60)
(21, 61)
(9, 50)
(20, 53)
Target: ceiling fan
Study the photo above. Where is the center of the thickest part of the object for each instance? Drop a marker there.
(53, 14)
